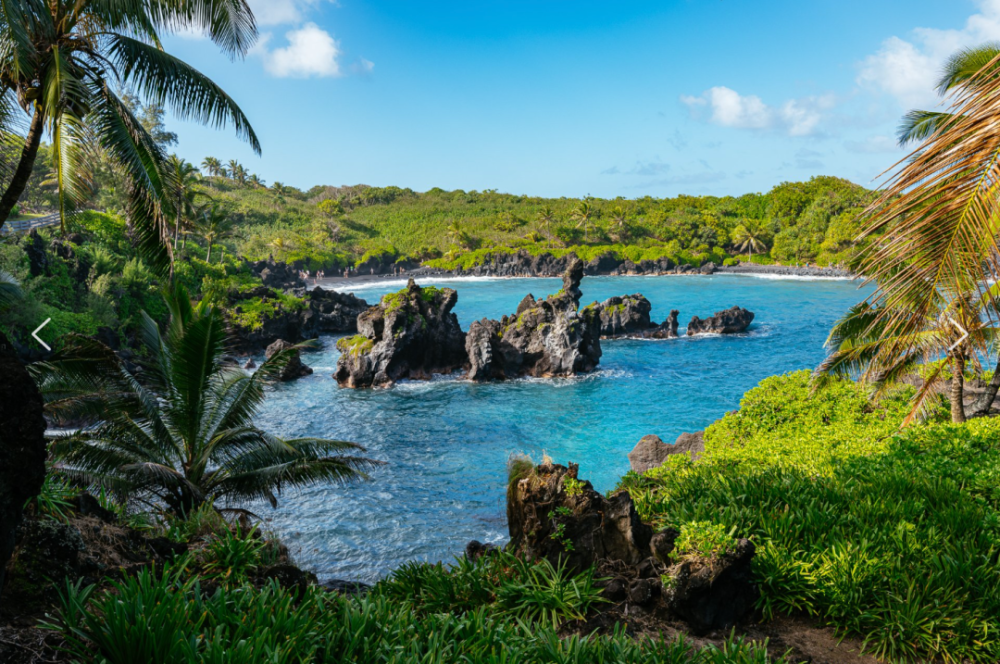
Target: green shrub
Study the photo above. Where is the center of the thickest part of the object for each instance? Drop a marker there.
(703, 539)
(891, 536)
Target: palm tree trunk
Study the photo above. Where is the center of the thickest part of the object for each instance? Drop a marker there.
(957, 387)
(985, 401)
(23, 173)
(208, 259)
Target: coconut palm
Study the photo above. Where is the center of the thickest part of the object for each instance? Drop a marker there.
(583, 215)
(183, 435)
(279, 188)
(212, 166)
(256, 182)
(749, 236)
(181, 192)
(546, 217)
(883, 350)
(619, 223)
(960, 71)
(935, 219)
(60, 63)
(458, 235)
(214, 225)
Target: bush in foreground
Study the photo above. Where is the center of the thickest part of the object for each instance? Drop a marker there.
(894, 537)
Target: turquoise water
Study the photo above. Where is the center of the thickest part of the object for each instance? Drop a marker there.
(447, 441)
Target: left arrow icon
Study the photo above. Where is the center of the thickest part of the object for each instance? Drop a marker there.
(35, 334)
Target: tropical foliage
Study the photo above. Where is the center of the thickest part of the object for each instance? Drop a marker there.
(889, 536)
(183, 435)
(61, 64)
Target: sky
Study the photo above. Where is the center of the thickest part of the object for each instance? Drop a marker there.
(556, 98)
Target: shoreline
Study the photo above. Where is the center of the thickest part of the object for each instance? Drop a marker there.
(750, 269)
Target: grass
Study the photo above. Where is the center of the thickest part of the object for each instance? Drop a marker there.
(161, 616)
(890, 536)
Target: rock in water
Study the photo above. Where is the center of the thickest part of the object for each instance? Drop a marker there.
(547, 337)
(729, 321)
(294, 369)
(552, 514)
(667, 329)
(623, 316)
(22, 446)
(410, 334)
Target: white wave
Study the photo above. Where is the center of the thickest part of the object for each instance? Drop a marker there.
(788, 277)
(423, 280)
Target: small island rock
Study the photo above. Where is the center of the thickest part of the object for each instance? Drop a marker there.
(295, 368)
(730, 321)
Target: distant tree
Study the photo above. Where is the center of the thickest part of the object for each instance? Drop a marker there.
(212, 166)
(619, 223)
(255, 181)
(546, 217)
(458, 235)
(749, 236)
(233, 167)
(151, 118)
(330, 208)
(583, 215)
(279, 188)
(214, 225)
(180, 186)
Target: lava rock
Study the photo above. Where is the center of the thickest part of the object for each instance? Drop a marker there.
(166, 549)
(650, 452)
(640, 592)
(597, 527)
(623, 316)
(475, 549)
(730, 321)
(694, 443)
(662, 544)
(294, 368)
(711, 593)
(289, 577)
(353, 588)
(277, 274)
(88, 505)
(482, 342)
(410, 334)
(665, 330)
(38, 259)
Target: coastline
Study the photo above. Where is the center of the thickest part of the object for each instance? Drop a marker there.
(750, 269)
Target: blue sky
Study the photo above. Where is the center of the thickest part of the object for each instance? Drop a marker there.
(571, 98)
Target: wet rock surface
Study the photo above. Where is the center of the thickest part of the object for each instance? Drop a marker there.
(549, 337)
(409, 334)
(294, 368)
(730, 321)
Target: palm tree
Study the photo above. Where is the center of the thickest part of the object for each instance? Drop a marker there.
(458, 235)
(255, 181)
(184, 435)
(233, 167)
(214, 225)
(960, 72)
(935, 219)
(583, 216)
(240, 174)
(883, 350)
(281, 245)
(750, 235)
(212, 165)
(546, 217)
(619, 222)
(279, 188)
(181, 191)
(61, 61)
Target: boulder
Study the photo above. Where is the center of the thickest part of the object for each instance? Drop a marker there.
(603, 264)
(715, 592)
(707, 268)
(475, 549)
(550, 507)
(333, 312)
(666, 330)
(409, 334)
(650, 452)
(623, 316)
(294, 368)
(730, 321)
(481, 342)
(277, 274)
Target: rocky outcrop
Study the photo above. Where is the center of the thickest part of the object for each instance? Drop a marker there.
(325, 312)
(409, 334)
(552, 514)
(624, 316)
(34, 248)
(665, 330)
(549, 337)
(712, 592)
(278, 275)
(730, 321)
(294, 368)
(22, 446)
(650, 452)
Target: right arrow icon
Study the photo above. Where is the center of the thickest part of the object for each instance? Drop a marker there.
(965, 334)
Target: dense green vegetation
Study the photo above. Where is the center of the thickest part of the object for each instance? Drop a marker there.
(892, 536)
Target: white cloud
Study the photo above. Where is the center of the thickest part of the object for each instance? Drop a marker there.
(311, 51)
(909, 70)
(728, 108)
(363, 67)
